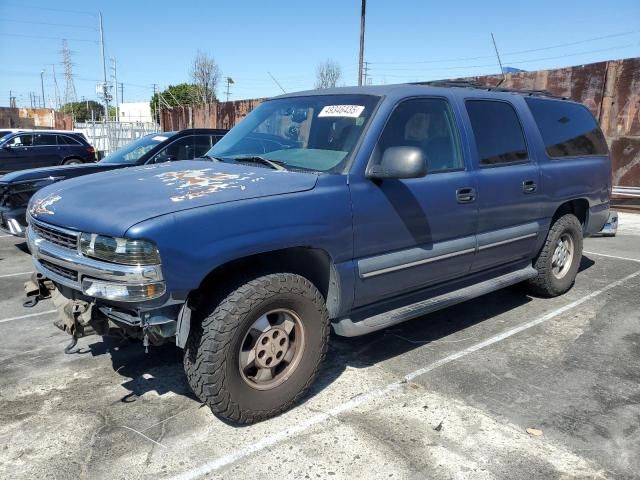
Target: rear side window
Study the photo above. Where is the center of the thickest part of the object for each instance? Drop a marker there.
(44, 140)
(567, 129)
(497, 131)
(65, 140)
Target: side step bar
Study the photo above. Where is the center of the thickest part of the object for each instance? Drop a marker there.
(346, 327)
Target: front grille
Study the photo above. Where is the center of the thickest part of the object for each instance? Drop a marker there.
(56, 236)
(62, 271)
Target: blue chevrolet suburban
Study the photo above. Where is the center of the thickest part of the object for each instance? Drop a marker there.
(356, 208)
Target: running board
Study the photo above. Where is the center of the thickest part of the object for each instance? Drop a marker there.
(346, 327)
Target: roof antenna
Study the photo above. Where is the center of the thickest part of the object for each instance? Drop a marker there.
(499, 62)
(277, 82)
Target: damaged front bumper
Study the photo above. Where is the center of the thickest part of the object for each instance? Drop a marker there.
(98, 296)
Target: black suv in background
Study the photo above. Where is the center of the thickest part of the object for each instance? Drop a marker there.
(17, 188)
(32, 149)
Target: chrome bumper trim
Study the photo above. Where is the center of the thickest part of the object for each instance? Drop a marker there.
(86, 267)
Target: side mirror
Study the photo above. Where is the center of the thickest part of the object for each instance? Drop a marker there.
(7, 146)
(400, 162)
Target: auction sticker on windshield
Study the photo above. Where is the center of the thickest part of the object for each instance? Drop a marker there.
(353, 111)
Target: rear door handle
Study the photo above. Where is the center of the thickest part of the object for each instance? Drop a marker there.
(465, 195)
(529, 186)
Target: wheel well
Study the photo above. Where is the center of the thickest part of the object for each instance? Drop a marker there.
(312, 263)
(578, 207)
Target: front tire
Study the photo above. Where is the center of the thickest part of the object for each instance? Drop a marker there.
(256, 353)
(558, 261)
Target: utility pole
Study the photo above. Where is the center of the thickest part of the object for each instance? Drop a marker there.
(44, 103)
(121, 92)
(229, 82)
(155, 116)
(115, 82)
(362, 17)
(365, 74)
(105, 93)
(56, 91)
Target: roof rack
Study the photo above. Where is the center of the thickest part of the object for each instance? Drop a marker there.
(475, 84)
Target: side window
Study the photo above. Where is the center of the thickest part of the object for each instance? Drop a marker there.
(497, 131)
(567, 129)
(201, 145)
(21, 141)
(426, 123)
(44, 140)
(65, 140)
(185, 148)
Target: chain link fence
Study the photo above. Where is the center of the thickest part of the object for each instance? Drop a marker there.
(107, 137)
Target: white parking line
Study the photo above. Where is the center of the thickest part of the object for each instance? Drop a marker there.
(5, 236)
(612, 256)
(47, 312)
(14, 274)
(283, 435)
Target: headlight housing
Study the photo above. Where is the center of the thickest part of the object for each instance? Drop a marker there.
(124, 251)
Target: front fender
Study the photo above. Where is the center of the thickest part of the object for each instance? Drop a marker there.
(194, 242)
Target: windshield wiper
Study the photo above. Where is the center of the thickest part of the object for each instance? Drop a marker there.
(209, 157)
(275, 164)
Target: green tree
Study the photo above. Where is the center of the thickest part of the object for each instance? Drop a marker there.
(81, 111)
(174, 96)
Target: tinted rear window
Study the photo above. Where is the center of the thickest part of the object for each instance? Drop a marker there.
(65, 140)
(567, 129)
(497, 131)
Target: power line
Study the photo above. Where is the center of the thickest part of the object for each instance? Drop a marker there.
(42, 37)
(518, 62)
(10, 20)
(39, 7)
(550, 47)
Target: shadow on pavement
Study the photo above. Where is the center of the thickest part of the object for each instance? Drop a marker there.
(161, 369)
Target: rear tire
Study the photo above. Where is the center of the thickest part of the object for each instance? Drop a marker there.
(256, 353)
(72, 161)
(558, 261)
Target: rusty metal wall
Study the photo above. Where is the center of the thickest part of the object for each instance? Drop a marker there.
(611, 90)
(34, 118)
(213, 115)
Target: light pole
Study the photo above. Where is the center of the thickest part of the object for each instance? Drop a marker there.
(44, 102)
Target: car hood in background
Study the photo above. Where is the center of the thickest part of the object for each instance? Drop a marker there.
(59, 172)
(110, 203)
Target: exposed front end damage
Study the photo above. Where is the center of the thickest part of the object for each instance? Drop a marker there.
(81, 316)
(95, 296)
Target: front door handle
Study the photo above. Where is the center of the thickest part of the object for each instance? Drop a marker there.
(529, 186)
(465, 195)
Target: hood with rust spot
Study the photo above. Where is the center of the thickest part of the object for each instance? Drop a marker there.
(111, 202)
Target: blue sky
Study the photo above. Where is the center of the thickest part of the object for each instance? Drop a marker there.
(154, 42)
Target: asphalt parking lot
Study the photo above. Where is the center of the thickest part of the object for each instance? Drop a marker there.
(450, 395)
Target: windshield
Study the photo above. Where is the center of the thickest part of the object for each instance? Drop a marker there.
(132, 152)
(316, 133)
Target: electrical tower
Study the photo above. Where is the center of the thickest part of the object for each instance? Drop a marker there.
(69, 86)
